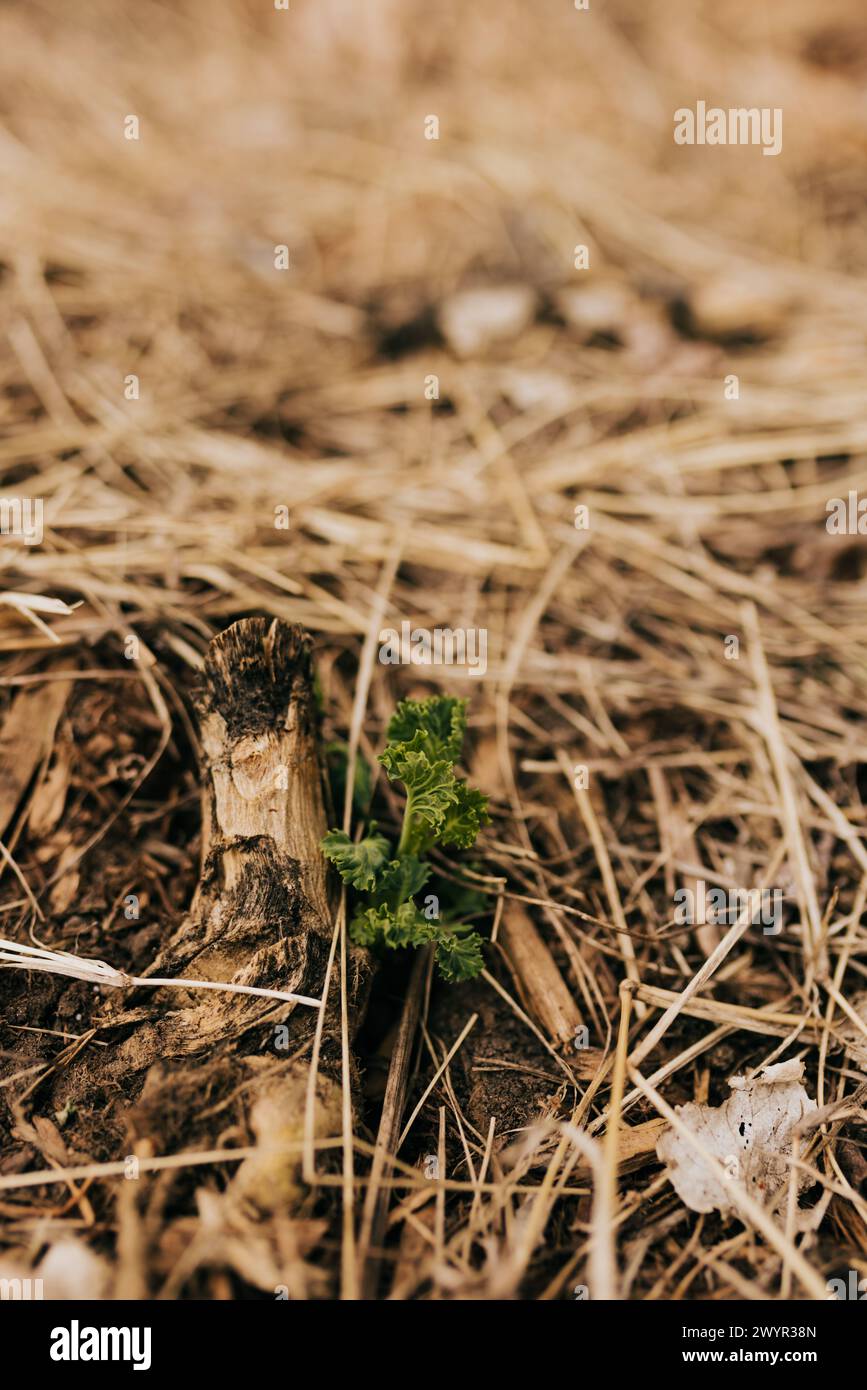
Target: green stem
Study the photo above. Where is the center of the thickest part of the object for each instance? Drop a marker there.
(406, 828)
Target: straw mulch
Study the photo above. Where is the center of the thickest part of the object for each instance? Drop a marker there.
(298, 396)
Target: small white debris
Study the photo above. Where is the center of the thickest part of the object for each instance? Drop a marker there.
(604, 307)
(72, 1271)
(793, 1070)
(744, 302)
(471, 320)
(536, 390)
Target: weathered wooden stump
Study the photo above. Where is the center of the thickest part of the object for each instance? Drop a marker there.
(261, 914)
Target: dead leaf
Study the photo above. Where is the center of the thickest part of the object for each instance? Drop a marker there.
(49, 798)
(50, 1141)
(751, 1135)
(63, 893)
(26, 737)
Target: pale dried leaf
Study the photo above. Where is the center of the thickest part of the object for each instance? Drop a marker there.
(25, 739)
(750, 1135)
(64, 892)
(49, 798)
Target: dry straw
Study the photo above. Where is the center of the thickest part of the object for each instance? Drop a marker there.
(15, 956)
(305, 389)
